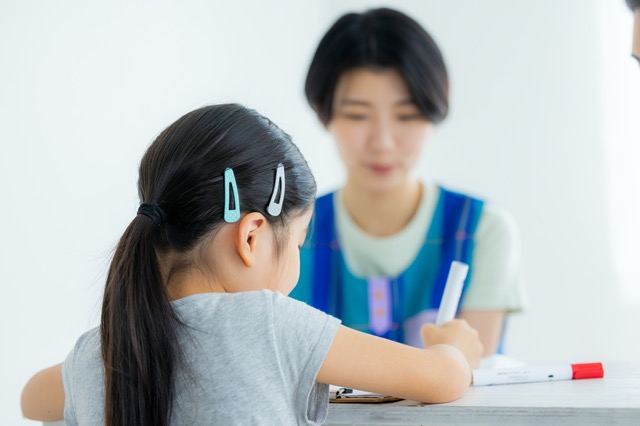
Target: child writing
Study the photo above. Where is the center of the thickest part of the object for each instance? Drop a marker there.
(196, 325)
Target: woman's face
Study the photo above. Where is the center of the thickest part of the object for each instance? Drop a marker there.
(378, 129)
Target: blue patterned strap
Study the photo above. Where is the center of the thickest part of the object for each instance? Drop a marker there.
(461, 216)
(323, 238)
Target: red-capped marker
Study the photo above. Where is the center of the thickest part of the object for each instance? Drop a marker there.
(546, 373)
(592, 370)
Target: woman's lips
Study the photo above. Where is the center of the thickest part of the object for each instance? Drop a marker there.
(380, 169)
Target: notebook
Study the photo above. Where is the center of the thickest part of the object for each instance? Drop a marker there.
(345, 395)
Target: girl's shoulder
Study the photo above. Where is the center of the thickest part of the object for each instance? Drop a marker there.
(89, 342)
(251, 306)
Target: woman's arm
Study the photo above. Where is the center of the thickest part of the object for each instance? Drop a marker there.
(489, 325)
(43, 396)
(439, 373)
(497, 285)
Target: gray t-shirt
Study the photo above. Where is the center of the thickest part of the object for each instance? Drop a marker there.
(251, 358)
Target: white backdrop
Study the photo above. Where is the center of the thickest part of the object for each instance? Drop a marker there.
(544, 98)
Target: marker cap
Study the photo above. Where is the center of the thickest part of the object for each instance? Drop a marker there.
(592, 370)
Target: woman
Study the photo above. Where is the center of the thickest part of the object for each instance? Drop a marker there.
(381, 246)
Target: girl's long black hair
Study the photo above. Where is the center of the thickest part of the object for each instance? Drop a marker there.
(182, 174)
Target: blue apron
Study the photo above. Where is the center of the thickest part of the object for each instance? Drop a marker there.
(390, 307)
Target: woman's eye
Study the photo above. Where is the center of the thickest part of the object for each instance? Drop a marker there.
(354, 116)
(409, 117)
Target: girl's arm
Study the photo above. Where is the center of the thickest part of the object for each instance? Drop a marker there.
(489, 325)
(43, 396)
(439, 373)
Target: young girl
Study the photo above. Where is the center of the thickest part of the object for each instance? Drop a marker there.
(381, 246)
(196, 327)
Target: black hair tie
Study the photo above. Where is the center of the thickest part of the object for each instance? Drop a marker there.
(153, 212)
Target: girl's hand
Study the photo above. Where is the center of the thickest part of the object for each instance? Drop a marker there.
(456, 333)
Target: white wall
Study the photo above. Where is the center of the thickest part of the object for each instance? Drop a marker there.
(85, 88)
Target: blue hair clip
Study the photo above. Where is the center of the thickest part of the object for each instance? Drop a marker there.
(275, 208)
(231, 214)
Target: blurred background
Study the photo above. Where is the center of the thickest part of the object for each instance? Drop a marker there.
(545, 107)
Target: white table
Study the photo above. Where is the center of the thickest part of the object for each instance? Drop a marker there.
(613, 400)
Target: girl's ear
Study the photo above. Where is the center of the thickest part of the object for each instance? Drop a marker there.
(251, 234)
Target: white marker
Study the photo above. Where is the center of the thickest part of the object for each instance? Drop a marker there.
(452, 292)
(505, 376)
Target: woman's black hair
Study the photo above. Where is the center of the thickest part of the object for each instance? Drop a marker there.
(181, 185)
(633, 4)
(379, 38)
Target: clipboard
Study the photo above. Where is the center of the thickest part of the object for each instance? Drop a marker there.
(345, 395)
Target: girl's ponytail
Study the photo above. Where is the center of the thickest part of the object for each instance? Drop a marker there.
(138, 332)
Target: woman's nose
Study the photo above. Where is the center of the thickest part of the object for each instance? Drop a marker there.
(381, 137)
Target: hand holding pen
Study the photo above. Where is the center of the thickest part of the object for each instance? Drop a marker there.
(457, 333)
(448, 330)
